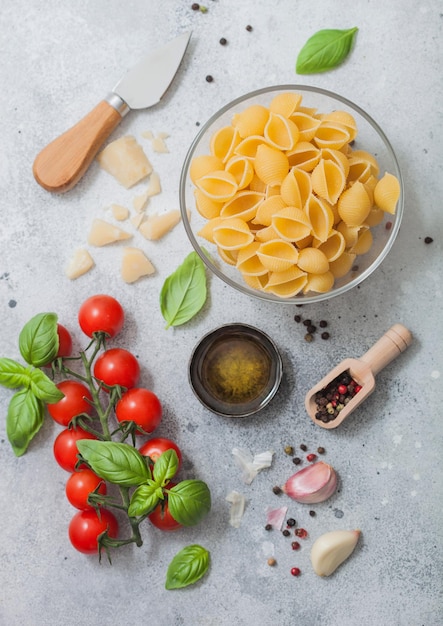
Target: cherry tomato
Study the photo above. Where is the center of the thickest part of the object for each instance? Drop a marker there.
(101, 313)
(65, 447)
(141, 406)
(161, 517)
(64, 343)
(73, 403)
(86, 526)
(157, 445)
(80, 484)
(117, 367)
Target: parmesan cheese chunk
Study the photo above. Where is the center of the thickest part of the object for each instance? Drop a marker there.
(141, 201)
(159, 145)
(135, 265)
(120, 213)
(154, 186)
(156, 226)
(80, 263)
(103, 233)
(136, 220)
(125, 160)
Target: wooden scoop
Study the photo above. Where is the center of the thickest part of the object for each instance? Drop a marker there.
(363, 371)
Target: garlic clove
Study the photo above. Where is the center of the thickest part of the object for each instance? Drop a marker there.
(313, 484)
(331, 549)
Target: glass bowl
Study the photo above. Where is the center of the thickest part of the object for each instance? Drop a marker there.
(370, 138)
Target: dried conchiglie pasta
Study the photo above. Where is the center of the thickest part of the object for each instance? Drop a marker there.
(333, 247)
(320, 217)
(242, 170)
(341, 266)
(207, 231)
(277, 255)
(257, 185)
(291, 224)
(268, 233)
(331, 135)
(354, 204)
(344, 119)
(285, 103)
(306, 124)
(251, 121)
(328, 180)
(205, 206)
(244, 205)
(362, 161)
(350, 233)
(363, 243)
(296, 188)
(375, 217)
(219, 185)
(204, 164)
(267, 209)
(337, 156)
(248, 146)
(306, 242)
(271, 165)
(232, 234)
(305, 156)
(387, 193)
(313, 261)
(228, 256)
(280, 132)
(248, 262)
(255, 282)
(223, 143)
(286, 284)
(319, 283)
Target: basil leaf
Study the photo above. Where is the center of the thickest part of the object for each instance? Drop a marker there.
(43, 387)
(189, 501)
(38, 340)
(13, 375)
(165, 467)
(119, 463)
(184, 292)
(24, 419)
(144, 499)
(187, 567)
(325, 50)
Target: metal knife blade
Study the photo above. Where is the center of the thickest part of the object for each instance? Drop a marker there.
(62, 163)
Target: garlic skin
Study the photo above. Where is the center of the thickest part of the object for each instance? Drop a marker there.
(313, 484)
(331, 549)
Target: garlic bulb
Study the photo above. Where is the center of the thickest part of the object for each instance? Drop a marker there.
(313, 484)
(331, 549)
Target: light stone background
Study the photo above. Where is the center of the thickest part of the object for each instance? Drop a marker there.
(58, 59)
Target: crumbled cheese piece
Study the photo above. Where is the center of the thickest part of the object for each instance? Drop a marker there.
(120, 213)
(125, 160)
(159, 145)
(141, 201)
(237, 501)
(154, 186)
(80, 263)
(136, 220)
(135, 265)
(103, 233)
(251, 465)
(163, 135)
(156, 226)
(148, 134)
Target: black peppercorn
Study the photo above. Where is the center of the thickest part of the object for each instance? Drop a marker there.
(209, 78)
(277, 490)
(296, 460)
(286, 533)
(297, 318)
(428, 240)
(303, 447)
(323, 324)
(195, 6)
(223, 41)
(325, 335)
(268, 527)
(311, 328)
(249, 28)
(291, 522)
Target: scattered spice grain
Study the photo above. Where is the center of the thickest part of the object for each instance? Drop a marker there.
(209, 78)
(428, 240)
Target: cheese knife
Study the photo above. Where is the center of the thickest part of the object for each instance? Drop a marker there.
(62, 163)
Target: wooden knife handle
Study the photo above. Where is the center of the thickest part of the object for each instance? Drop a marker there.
(60, 165)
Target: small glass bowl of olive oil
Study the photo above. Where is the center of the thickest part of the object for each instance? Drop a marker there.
(235, 370)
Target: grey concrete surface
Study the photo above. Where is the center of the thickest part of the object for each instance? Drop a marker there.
(58, 59)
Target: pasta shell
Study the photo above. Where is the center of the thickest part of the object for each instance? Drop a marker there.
(255, 282)
(248, 146)
(306, 242)
(257, 185)
(244, 205)
(207, 231)
(313, 261)
(251, 121)
(272, 191)
(267, 209)
(266, 234)
(328, 180)
(333, 247)
(291, 224)
(205, 206)
(375, 217)
(350, 233)
(242, 170)
(232, 234)
(331, 135)
(363, 243)
(306, 124)
(248, 262)
(202, 165)
(296, 188)
(223, 142)
(354, 205)
(277, 255)
(320, 217)
(228, 256)
(363, 163)
(305, 156)
(280, 132)
(319, 283)
(387, 193)
(337, 156)
(219, 185)
(286, 284)
(343, 118)
(341, 266)
(271, 165)
(285, 103)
